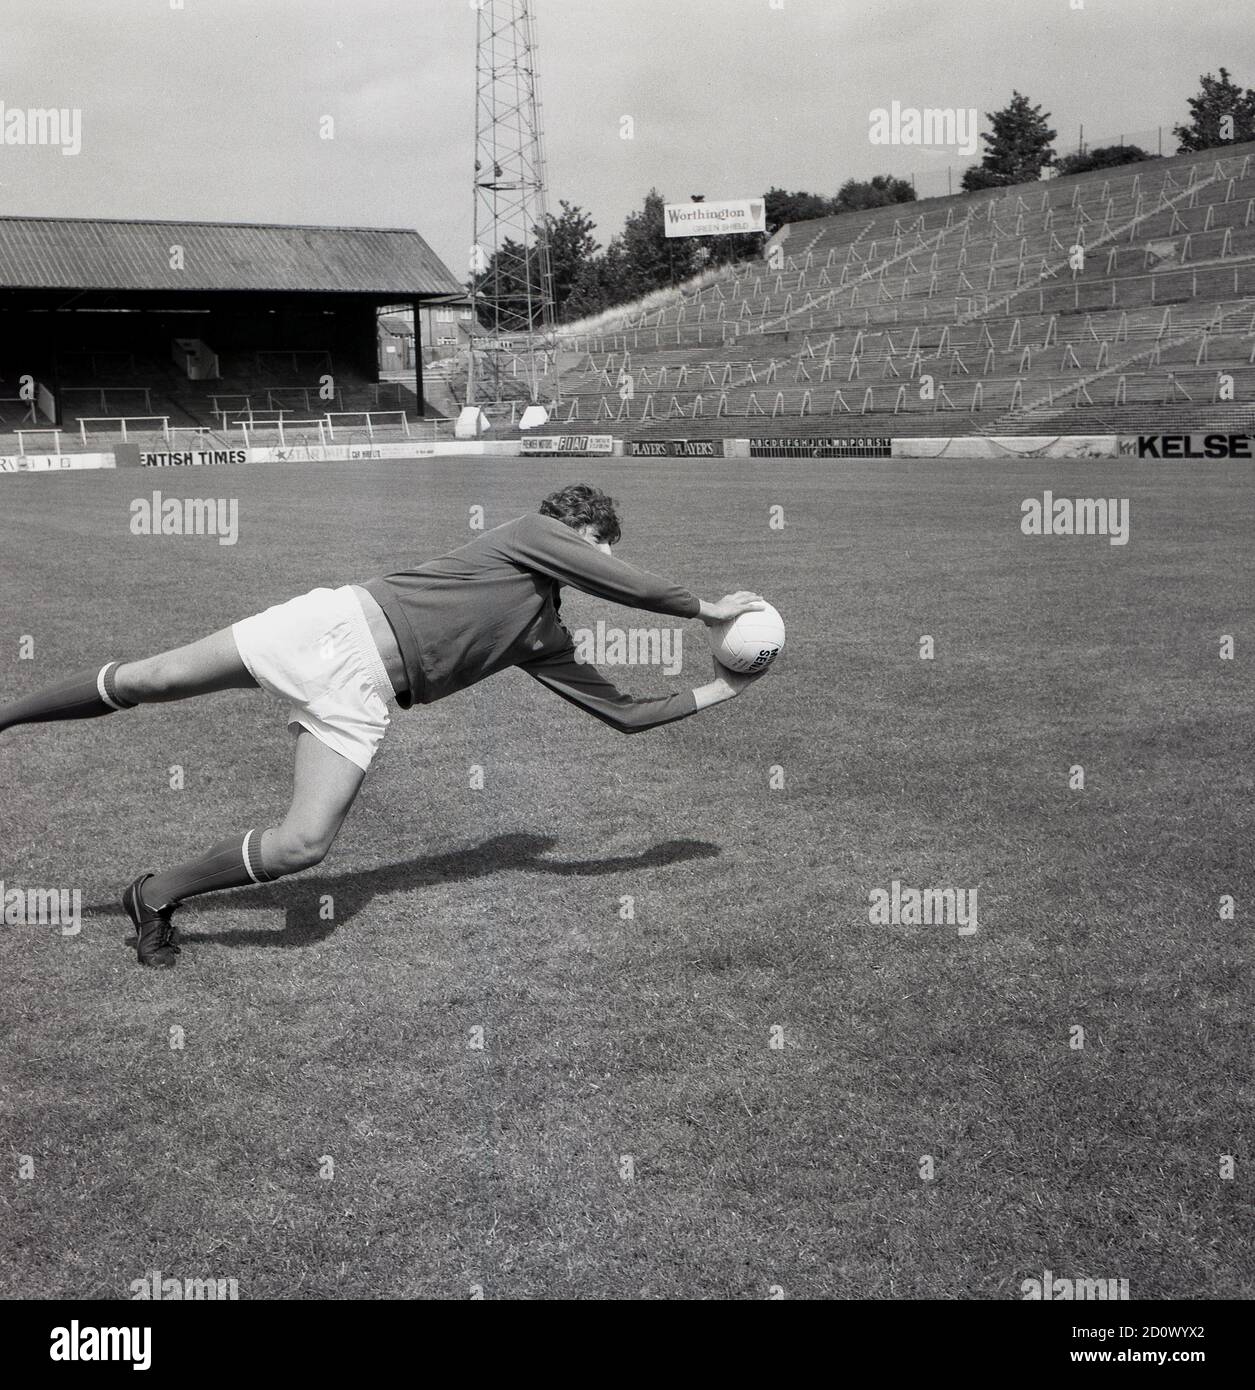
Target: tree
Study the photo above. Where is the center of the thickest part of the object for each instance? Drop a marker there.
(785, 207)
(977, 177)
(571, 247)
(651, 258)
(503, 285)
(724, 250)
(1019, 148)
(600, 284)
(1102, 157)
(504, 303)
(1221, 114)
(879, 192)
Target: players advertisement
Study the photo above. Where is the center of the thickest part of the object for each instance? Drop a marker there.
(568, 444)
(675, 448)
(716, 219)
(1188, 446)
(830, 448)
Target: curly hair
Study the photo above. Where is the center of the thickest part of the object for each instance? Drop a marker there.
(582, 505)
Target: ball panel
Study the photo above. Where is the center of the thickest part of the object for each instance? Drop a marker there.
(750, 642)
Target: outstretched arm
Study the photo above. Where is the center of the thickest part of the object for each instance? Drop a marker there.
(550, 548)
(585, 686)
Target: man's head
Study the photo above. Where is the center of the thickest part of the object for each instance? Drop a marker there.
(587, 511)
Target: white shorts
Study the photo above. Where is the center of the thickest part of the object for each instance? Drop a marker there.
(316, 652)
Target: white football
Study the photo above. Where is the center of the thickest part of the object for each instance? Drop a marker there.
(748, 643)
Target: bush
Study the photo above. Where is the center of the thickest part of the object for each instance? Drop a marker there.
(1104, 157)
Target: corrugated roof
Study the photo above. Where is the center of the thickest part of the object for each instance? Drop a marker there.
(90, 254)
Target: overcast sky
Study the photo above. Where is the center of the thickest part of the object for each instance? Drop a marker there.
(212, 111)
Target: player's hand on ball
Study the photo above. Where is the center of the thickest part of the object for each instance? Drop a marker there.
(748, 643)
(736, 681)
(731, 606)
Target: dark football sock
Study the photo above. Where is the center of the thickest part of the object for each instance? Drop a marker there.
(231, 864)
(86, 696)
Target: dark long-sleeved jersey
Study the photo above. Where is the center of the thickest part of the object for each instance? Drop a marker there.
(492, 604)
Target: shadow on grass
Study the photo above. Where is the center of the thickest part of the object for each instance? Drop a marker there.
(300, 896)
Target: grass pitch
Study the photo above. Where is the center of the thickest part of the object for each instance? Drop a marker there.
(302, 1105)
